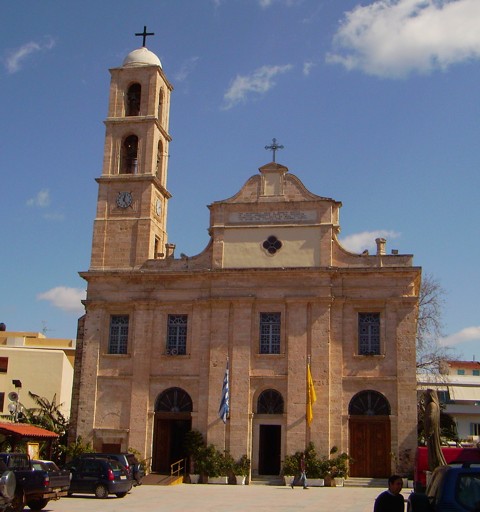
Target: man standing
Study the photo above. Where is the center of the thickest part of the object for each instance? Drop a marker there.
(391, 500)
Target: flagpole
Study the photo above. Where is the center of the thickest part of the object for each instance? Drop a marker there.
(224, 409)
(228, 414)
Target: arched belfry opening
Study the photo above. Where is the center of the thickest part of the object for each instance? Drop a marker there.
(370, 435)
(129, 160)
(134, 96)
(173, 419)
(160, 157)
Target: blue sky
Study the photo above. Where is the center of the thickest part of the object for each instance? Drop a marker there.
(375, 102)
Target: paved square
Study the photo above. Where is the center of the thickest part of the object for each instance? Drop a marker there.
(223, 498)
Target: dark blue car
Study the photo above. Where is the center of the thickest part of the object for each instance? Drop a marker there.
(453, 488)
(98, 476)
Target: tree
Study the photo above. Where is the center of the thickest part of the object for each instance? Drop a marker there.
(430, 354)
(47, 415)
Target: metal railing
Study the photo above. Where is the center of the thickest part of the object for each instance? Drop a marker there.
(177, 468)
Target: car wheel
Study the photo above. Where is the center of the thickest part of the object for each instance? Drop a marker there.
(101, 491)
(121, 494)
(37, 504)
(18, 502)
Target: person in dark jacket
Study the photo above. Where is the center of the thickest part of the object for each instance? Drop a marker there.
(303, 473)
(391, 500)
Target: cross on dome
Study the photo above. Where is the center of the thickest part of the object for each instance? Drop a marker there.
(144, 34)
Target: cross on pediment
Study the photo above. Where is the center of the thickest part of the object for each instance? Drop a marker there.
(274, 147)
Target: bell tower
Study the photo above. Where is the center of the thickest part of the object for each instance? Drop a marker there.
(130, 223)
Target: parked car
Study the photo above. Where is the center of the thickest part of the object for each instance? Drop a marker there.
(7, 487)
(135, 468)
(99, 476)
(452, 488)
(34, 488)
(452, 454)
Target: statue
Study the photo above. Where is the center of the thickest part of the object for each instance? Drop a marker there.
(432, 430)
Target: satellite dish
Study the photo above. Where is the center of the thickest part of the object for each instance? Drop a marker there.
(13, 396)
(12, 407)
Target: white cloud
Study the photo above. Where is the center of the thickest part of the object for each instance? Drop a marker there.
(264, 4)
(359, 242)
(64, 298)
(259, 82)
(393, 38)
(16, 57)
(186, 69)
(307, 67)
(41, 200)
(467, 334)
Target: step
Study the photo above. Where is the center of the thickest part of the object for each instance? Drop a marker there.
(366, 482)
(267, 480)
(159, 479)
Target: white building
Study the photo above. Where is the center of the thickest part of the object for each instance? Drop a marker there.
(29, 361)
(458, 387)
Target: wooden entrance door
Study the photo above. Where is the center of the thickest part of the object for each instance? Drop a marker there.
(169, 433)
(370, 446)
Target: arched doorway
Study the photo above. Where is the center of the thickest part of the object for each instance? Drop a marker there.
(173, 419)
(370, 439)
(270, 402)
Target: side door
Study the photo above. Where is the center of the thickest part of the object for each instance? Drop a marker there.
(89, 475)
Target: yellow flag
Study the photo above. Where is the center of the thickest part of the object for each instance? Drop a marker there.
(311, 395)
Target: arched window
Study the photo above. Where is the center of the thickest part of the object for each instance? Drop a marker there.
(160, 106)
(130, 155)
(174, 400)
(270, 401)
(134, 95)
(159, 158)
(369, 403)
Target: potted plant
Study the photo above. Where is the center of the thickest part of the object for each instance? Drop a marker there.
(337, 468)
(215, 465)
(315, 467)
(290, 467)
(193, 445)
(241, 469)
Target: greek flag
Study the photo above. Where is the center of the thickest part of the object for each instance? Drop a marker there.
(224, 408)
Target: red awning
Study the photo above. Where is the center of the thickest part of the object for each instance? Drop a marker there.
(26, 430)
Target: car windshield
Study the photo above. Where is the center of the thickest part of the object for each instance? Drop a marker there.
(468, 490)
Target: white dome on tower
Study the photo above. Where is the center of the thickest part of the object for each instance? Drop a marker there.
(141, 57)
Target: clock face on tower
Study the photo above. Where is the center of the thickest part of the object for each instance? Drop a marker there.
(158, 207)
(124, 199)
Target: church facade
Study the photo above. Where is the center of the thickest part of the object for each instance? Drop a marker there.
(272, 291)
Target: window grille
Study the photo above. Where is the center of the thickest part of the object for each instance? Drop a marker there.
(369, 334)
(118, 341)
(270, 401)
(177, 335)
(270, 333)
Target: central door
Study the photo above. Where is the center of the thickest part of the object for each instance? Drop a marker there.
(369, 431)
(370, 446)
(269, 450)
(173, 419)
(168, 442)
